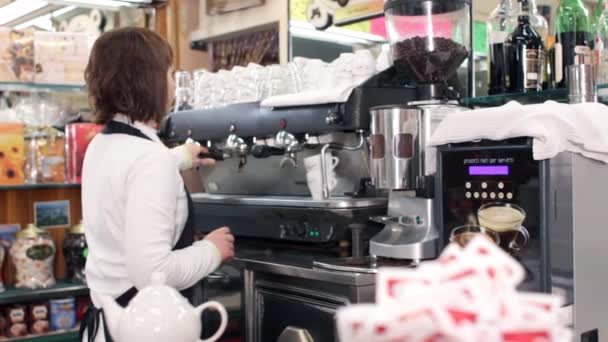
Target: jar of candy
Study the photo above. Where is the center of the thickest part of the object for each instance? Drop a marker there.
(76, 250)
(33, 254)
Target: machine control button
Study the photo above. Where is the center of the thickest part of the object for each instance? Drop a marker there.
(468, 194)
(501, 185)
(476, 195)
(501, 195)
(484, 185)
(484, 195)
(492, 195)
(509, 195)
(407, 220)
(467, 185)
(419, 220)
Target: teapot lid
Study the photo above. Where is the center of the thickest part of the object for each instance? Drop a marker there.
(77, 229)
(31, 232)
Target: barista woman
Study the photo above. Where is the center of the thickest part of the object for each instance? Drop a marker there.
(137, 212)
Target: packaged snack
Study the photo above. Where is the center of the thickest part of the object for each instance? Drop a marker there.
(16, 55)
(48, 156)
(82, 304)
(16, 319)
(38, 318)
(77, 139)
(61, 57)
(63, 314)
(12, 154)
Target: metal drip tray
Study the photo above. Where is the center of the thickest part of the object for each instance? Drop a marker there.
(362, 265)
(291, 201)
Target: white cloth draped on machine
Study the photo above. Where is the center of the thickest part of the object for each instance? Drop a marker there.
(554, 128)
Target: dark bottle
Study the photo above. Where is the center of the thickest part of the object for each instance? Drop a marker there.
(499, 27)
(526, 53)
(76, 250)
(573, 38)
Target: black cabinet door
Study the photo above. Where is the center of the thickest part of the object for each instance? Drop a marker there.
(277, 311)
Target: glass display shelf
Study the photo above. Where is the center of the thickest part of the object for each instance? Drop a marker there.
(39, 186)
(56, 336)
(40, 87)
(558, 95)
(61, 290)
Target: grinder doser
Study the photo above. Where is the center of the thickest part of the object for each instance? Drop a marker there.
(399, 135)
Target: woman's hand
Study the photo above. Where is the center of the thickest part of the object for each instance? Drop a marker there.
(223, 239)
(187, 156)
(195, 150)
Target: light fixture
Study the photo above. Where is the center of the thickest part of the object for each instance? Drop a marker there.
(19, 8)
(333, 34)
(44, 21)
(101, 4)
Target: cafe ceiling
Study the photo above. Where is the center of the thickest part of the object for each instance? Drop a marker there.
(19, 13)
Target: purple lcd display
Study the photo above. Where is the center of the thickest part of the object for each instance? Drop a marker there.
(488, 170)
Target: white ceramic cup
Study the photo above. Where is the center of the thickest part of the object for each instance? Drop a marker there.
(315, 186)
(313, 163)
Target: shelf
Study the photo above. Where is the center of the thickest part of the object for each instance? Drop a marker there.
(558, 95)
(61, 290)
(40, 87)
(63, 336)
(38, 186)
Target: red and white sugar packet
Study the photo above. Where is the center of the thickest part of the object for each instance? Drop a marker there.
(451, 254)
(504, 268)
(428, 322)
(397, 286)
(539, 307)
(353, 322)
(532, 332)
(509, 271)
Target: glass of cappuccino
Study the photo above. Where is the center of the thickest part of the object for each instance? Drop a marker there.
(506, 220)
(464, 234)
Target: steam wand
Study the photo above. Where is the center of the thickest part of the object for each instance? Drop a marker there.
(335, 146)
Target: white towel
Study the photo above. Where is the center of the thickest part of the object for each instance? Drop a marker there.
(309, 98)
(554, 127)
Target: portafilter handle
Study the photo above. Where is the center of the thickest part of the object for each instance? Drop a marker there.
(265, 151)
(214, 153)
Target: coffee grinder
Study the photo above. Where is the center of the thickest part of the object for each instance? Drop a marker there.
(430, 40)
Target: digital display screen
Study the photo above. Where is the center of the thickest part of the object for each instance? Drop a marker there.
(488, 170)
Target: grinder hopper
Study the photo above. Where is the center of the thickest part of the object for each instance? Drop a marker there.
(430, 39)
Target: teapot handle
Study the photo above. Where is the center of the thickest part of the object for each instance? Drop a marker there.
(223, 315)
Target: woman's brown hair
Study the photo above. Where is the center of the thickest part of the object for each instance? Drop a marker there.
(127, 74)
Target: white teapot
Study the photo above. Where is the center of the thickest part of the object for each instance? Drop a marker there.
(159, 313)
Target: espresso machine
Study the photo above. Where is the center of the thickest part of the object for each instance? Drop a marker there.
(565, 216)
(259, 189)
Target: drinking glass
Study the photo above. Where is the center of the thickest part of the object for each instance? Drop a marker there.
(465, 234)
(183, 90)
(506, 220)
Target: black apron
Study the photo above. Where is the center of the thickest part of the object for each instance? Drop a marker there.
(90, 323)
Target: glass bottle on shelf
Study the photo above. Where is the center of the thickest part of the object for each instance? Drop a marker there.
(499, 27)
(573, 38)
(541, 25)
(600, 46)
(526, 53)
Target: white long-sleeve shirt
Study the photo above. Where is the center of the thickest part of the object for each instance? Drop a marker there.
(134, 211)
